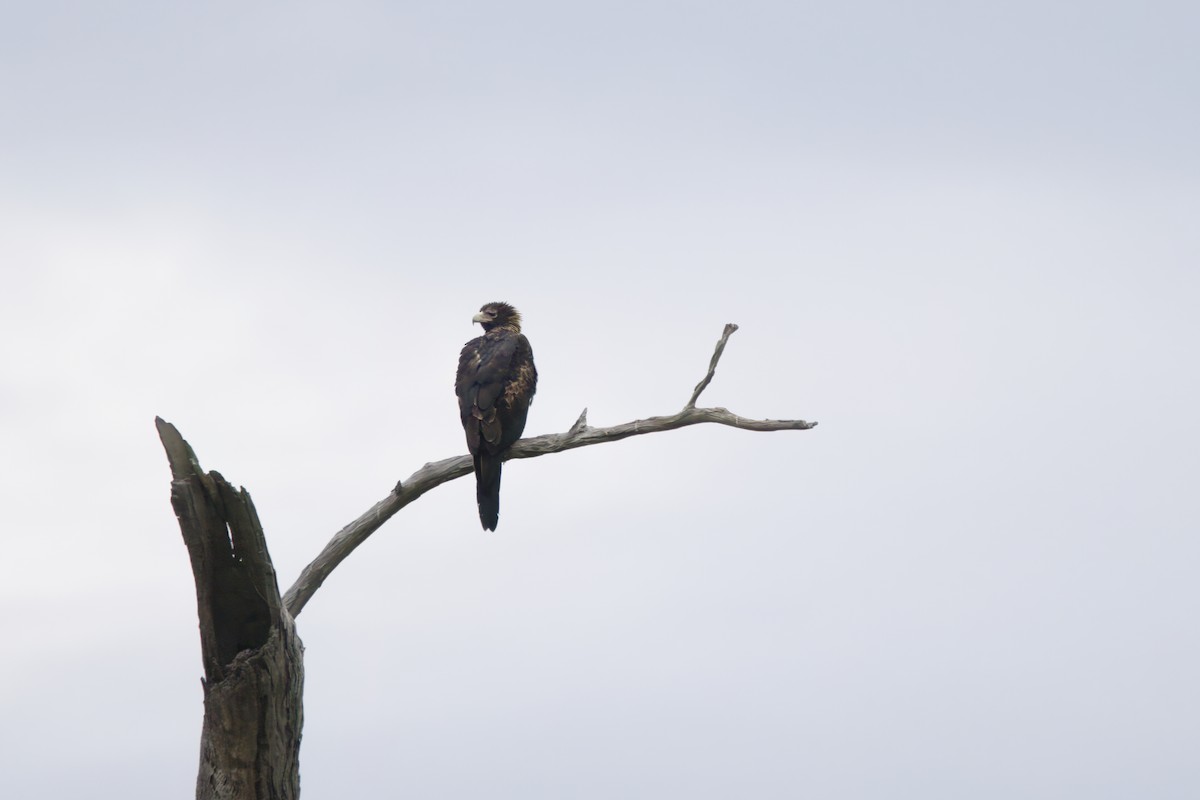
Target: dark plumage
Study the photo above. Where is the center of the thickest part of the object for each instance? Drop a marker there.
(495, 385)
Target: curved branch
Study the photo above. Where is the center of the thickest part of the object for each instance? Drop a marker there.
(436, 473)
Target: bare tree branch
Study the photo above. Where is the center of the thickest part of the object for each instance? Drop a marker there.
(580, 434)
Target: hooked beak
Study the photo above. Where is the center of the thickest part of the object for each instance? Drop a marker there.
(480, 318)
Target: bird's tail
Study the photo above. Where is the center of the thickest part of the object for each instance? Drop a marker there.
(487, 489)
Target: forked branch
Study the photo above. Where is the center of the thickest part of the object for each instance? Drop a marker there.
(580, 435)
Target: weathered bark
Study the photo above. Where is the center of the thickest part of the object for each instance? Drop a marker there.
(253, 660)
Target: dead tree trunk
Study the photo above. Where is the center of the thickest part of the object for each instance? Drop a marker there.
(253, 660)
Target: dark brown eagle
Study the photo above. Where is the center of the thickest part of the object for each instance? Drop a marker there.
(495, 385)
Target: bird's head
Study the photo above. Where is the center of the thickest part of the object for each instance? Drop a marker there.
(498, 315)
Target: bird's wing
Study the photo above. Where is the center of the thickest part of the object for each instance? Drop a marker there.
(492, 370)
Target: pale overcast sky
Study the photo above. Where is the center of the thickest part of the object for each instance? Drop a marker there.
(963, 236)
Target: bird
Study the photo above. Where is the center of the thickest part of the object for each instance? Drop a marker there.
(495, 384)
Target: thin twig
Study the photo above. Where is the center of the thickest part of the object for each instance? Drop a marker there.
(712, 365)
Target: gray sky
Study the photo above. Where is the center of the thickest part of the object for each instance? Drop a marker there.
(962, 236)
